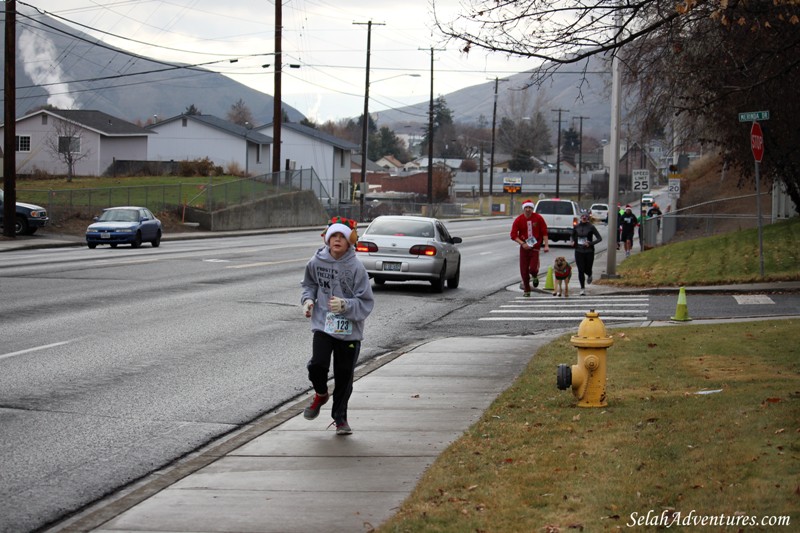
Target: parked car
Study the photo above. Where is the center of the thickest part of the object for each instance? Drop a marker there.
(407, 248)
(124, 225)
(599, 212)
(560, 215)
(29, 217)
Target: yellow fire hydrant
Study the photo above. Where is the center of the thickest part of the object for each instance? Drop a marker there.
(588, 377)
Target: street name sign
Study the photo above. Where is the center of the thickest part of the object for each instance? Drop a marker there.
(753, 116)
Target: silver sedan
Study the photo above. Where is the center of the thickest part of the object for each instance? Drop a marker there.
(408, 248)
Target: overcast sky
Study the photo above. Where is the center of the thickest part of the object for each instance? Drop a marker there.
(327, 38)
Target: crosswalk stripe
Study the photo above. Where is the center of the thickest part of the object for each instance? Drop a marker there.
(564, 318)
(548, 308)
(601, 312)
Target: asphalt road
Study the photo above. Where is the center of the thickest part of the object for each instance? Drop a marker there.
(116, 362)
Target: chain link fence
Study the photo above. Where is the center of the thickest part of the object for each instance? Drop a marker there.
(65, 203)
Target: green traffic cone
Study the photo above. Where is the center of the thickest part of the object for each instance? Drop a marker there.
(681, 310)
(549, 285)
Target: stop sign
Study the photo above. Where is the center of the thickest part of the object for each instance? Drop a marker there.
(757, 141)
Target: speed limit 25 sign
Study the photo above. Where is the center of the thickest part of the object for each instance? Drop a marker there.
(641, 180)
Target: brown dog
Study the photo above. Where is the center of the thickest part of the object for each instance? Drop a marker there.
(563, 273)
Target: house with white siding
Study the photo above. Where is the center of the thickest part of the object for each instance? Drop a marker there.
(95, 140)
(228, 145)
(303, 147)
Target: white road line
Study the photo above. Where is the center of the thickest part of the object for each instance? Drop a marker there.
(579, 304)
(36, 349)
(753, 299)
(268, 263)
(601, 312)
(576, 318)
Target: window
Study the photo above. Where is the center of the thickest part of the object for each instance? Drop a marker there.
(184, 122)
(23, 143)
(44, 119)
(70, 145)
(258, 153)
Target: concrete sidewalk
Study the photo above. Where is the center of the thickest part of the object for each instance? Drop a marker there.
(287, 474)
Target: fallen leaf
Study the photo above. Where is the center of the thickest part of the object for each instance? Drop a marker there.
(780, 431)
(472, 487)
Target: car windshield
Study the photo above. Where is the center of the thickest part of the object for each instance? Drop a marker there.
(402, 228)
(119, 215)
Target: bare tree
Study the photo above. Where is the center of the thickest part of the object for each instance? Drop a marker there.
(67, 144)
(692, 63)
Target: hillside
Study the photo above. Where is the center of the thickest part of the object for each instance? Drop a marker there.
(62, 66)
(716, 195)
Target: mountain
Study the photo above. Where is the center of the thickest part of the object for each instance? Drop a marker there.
(64, 67)
(582, 89)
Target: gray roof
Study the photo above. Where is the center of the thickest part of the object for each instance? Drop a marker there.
(98, 121)
(224, 125)
(317, 134)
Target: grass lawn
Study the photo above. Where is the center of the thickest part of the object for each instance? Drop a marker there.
(719, 259)
(536, 462)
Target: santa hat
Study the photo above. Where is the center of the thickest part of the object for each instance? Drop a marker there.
(628, 207)
(345, 226)
(527, 203)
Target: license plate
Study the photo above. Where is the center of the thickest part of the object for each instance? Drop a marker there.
(393, 267)
(105, 235)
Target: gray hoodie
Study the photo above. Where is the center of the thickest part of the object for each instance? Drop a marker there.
(345, 278)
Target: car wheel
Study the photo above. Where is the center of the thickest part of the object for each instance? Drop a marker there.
(437, 285)
(157, 242)
(114, 245)
(452, 283)
(21, 226)
(379, 281)
(91, 245)
(137, 240)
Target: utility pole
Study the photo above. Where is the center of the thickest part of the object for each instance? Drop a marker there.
(491, 156)
(277, 114)
(365, 125)
(430, 139)
(9, 113)
(558, 152)
(580, 154)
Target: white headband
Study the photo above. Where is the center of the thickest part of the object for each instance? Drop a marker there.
(338, 228)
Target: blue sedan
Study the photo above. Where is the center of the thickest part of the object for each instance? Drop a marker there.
(124, 225)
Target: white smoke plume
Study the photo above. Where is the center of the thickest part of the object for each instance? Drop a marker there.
(39, 61)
